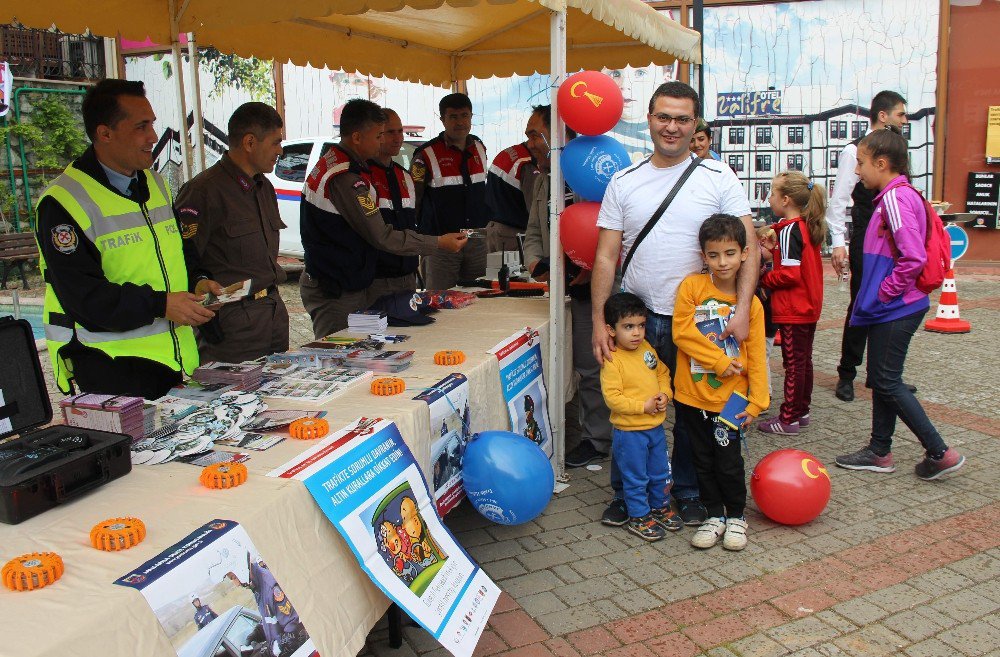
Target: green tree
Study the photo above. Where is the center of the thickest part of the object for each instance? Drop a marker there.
(229, 71)
(54, 134)
(252, 75)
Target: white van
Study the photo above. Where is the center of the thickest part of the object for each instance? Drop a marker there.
(298, 157)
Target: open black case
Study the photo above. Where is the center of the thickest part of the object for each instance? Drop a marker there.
(45, 467)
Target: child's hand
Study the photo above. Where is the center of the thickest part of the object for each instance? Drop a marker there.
(746, 417)
(661, 402)
(651, 405)
(734, 369)
(765, 254)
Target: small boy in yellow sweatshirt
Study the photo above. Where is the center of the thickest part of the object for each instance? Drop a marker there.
(707, 376)
(636, 387)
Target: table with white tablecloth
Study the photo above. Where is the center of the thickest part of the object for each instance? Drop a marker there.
(85, 614)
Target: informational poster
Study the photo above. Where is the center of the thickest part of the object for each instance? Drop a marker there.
(983, 198)
(448, 402)
(214, 595)
(365, 480)
(520, 358)
(993, 135)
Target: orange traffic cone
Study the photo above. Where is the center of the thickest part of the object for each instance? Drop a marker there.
(947, 319)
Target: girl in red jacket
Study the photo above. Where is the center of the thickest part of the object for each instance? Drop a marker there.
(796, 284)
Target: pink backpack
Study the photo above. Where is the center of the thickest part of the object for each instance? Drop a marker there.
(938, 246)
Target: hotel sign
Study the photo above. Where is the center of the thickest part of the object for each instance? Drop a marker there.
(748, 103)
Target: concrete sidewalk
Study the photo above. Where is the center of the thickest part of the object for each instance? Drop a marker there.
(894, 565)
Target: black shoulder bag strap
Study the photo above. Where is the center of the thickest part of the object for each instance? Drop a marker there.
(695, 162)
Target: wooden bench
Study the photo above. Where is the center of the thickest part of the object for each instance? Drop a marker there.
(15, 250)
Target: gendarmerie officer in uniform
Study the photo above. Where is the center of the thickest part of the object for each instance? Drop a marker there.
(510, 185)
(342, 229)
(118, 313)
(229, 221)
(449, 172)
(396, 203)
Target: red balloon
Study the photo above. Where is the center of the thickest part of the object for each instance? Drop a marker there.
(590, 102)
(790, 486)
(578, 232)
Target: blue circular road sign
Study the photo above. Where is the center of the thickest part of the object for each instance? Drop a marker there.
(959, 241)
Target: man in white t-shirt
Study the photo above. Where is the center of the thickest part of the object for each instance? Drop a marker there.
(667, 254)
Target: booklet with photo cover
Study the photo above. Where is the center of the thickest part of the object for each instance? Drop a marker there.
(711, 320)
(230, 293)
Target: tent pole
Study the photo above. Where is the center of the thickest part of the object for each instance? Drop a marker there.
(699, 26)
(557, 283)
(182, 111)
(199, 126)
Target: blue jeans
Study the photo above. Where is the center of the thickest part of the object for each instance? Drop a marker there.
(659, 334)
(887, 347)
(645, 469)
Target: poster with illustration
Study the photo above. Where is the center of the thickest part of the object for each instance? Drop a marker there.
(523, 385)
(214, 595)
(404, 541)
(448, 402)
(365, 480)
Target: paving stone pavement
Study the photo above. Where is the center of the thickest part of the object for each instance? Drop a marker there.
(894, 566)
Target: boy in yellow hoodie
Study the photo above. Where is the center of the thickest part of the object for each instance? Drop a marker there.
(707, 376)
(636, 387)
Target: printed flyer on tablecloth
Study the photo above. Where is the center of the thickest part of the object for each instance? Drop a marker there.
(520, 358)
(214, 595)
(448, 402)
(365, 480)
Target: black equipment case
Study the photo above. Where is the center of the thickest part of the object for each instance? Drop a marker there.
(42, 468)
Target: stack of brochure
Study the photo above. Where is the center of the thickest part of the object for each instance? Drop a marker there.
(367, 321)
(116, 414)
(243, 375)
(379, 361)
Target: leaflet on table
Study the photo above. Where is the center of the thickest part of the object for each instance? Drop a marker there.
(199, 392)
(448, 402)
(523, 386)
(711, 320)
(365, 480)
(341, 375)
(211, 458)
(279, 368)
(272, 420)
(214, 595)
(319, 390)
(343, 343)
(170, 408)
(247, 440)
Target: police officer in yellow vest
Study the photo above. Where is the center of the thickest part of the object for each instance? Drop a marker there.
(118, 315)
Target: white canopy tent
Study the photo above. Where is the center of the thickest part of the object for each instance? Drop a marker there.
(430, 41)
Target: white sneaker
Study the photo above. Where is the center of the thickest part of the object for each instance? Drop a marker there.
(709, 533)
(735, 538)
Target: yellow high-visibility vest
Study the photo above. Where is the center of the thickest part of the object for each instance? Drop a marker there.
(138, 245)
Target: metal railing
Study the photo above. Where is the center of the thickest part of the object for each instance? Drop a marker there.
(43, 54)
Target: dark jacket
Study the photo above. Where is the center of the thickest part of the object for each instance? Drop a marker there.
(451, 186)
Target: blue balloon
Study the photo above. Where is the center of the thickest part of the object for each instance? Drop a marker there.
(589, 162)
(507, 477)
